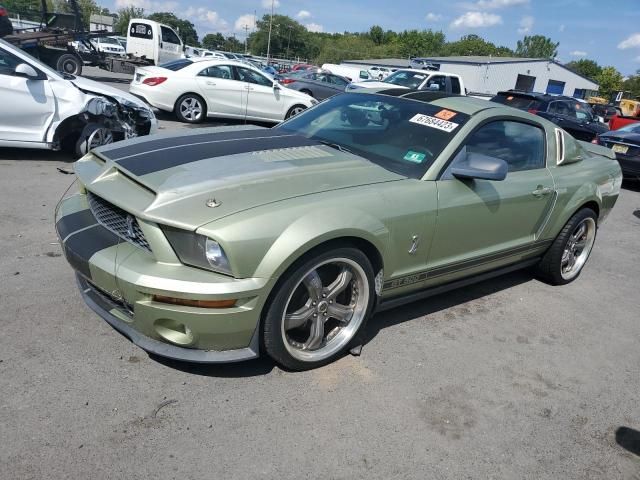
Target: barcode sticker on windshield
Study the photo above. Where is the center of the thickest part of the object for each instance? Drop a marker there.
(434, 122)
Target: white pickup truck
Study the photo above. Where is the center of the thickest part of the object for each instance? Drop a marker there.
(416, 80)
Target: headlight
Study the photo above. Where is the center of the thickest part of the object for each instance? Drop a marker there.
(197, 250)
(101, 106)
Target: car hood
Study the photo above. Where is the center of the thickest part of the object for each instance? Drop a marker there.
(188, 180)
(98, 88)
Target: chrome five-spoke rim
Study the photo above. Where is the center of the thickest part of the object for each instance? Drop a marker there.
(99, 137)
(578, 248)
(191, 109)
(325, 309)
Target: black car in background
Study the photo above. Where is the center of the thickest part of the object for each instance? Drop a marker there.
(568, 113)
(5, 24)
(625, 142)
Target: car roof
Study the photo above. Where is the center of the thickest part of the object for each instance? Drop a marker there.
(544, 97)
(459, 103)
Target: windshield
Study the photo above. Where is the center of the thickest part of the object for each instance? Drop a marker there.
(401, 135)
(407, 79)
(111, 41)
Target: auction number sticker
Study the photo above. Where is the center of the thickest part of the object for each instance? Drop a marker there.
(433, 122)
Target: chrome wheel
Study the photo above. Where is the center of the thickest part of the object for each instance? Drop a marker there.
(100, 136)
(325, 310)
(578, 248)
(191, 109)
(296, 110)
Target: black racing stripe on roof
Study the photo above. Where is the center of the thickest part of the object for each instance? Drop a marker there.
(394, 92)
(176, 141)
(156, 161)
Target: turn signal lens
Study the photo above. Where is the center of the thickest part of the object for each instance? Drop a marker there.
(153, 81)
(195, 303)
(287, 81)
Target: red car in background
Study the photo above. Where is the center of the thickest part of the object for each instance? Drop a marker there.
(301, 66)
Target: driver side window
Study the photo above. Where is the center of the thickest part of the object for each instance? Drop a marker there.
(8, 63)
(521, 145)
(251, 76)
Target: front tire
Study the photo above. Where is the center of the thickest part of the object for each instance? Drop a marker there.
(191, 108)
(569, 252)
(295, 110)
(319, 309)
(92, 136)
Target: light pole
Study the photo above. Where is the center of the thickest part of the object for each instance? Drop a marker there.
(270, 27)
(289, 41)
(246, 37)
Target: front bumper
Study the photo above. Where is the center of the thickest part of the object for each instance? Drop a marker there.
(118, 281)
(629, 165)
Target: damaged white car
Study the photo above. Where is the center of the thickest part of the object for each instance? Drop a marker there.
(42, 108)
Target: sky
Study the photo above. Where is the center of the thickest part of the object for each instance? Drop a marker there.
(605, 31)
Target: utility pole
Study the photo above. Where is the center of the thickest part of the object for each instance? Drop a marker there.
(289, 41)
(246, 36)
(270, 27)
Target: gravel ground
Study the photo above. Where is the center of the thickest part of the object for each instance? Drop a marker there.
(508, 379)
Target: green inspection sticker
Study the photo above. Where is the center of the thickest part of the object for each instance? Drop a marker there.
(415, 157)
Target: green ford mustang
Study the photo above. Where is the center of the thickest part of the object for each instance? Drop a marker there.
(220, 244)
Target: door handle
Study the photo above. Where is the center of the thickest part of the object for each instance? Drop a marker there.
(211, 83)
(542, 191)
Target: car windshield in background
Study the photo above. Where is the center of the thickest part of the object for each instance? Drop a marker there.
(516, 101)
(407, 79)
(176, 65)
(401, 135)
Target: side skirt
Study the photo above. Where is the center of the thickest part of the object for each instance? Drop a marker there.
(430, 292)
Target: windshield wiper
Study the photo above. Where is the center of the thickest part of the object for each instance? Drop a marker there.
(336, 146)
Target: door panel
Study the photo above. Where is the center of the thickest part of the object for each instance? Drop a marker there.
(224, 94)
(26, 106)
(263, 100)
(482, 223)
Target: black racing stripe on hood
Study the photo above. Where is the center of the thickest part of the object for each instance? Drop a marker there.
(74, 222)
(156, 161)
(80, 247)
(152, 143)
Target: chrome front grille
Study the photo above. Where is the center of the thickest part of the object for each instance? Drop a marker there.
(118, 221)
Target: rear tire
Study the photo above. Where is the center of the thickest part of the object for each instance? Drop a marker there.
(69, 63)
(295, 110)
(191, 108)
(320, 308)
(570, 251)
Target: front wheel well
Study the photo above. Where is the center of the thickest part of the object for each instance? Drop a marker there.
(593, 205)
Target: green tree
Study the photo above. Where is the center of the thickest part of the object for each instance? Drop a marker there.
(86, 7)
(475, 45)
(213, 41)
(419, 43)
(285, 31)
(537, 46)
(377, 34)
(610, 81)
(585, 67)
(185, 28)
(632, 85)
(27, 9)
(126, 14)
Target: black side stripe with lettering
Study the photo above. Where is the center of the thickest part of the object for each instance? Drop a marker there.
(152, 143)
(151, 162)
(459, 266)
(81, 246)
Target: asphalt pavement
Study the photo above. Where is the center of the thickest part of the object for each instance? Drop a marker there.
(507, 379)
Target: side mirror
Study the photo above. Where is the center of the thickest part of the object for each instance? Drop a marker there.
(27, 71)
(481, 167)
(276, 86)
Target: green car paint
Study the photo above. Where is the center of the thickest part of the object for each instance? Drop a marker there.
(268, 197)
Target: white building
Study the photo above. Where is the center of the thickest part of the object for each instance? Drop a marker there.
(489, 75)
(101, 22)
